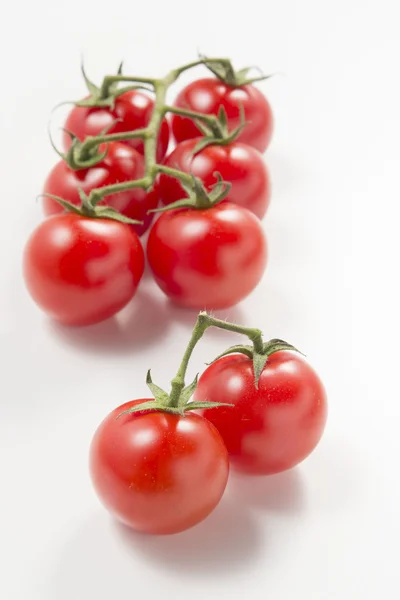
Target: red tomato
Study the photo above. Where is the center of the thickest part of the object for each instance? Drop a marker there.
(156, 472)
(122, 163)
(134, 109)
(274, 427)
(208, 95)
(80, 270)
(207, 258)
(237, 163)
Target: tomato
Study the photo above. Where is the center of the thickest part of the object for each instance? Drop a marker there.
(207, 258)
(81, 270)
(274, 427)
(121, 163)
(237, 163)
(208, 95)
(133, 109)
(156, 472)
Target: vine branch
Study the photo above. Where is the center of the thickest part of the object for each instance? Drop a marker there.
(149, 134)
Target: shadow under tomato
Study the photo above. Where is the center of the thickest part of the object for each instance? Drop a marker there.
(89, 563)
(281, 493)
(228, 539)
(147, 274)
(137, 326)
(99, 558)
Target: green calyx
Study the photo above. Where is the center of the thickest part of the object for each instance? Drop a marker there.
(178, 400)
(97, 96)
(75, 158)
(198, 197)
(89, 208)
(106, 94)
(83, 155)
(86, 154)
(165, 402)
(259, 354)
(221, 137)
(223, 69)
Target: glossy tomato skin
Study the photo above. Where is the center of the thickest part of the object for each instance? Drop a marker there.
(121, 163)
(275, 427)
(207, 259)
(81, 271)
(158, 473)
(237, 163)
(133, 109)
(208, 95)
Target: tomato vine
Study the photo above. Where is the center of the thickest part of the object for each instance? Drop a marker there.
(178, 400)
(86, 153)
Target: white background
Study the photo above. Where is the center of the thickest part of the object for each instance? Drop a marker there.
(330, 528)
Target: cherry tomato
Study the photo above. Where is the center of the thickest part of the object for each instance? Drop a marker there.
(237, 163)
(208, 95)
(207, 258)
(133, 109)
(80, 270)
(274, 427)
(156, 472)
(122, 163)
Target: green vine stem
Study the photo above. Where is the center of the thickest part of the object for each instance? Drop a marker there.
(211, 120)
(108, 90)
(178, 400)
(204, 321)
(110, 80)
(185, 178)
(86, 148)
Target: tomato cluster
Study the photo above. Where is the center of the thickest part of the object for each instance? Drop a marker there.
(161, 464)
(203, 255)
(160, 469)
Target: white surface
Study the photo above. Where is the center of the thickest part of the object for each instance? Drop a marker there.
(325, 531)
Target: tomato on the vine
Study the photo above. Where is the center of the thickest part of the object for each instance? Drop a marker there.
(237, 163)
(156, 472)
(132, 110)
(270, 428)
(120, 164)
(82, 270)
(207, 258)
(209, 94)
